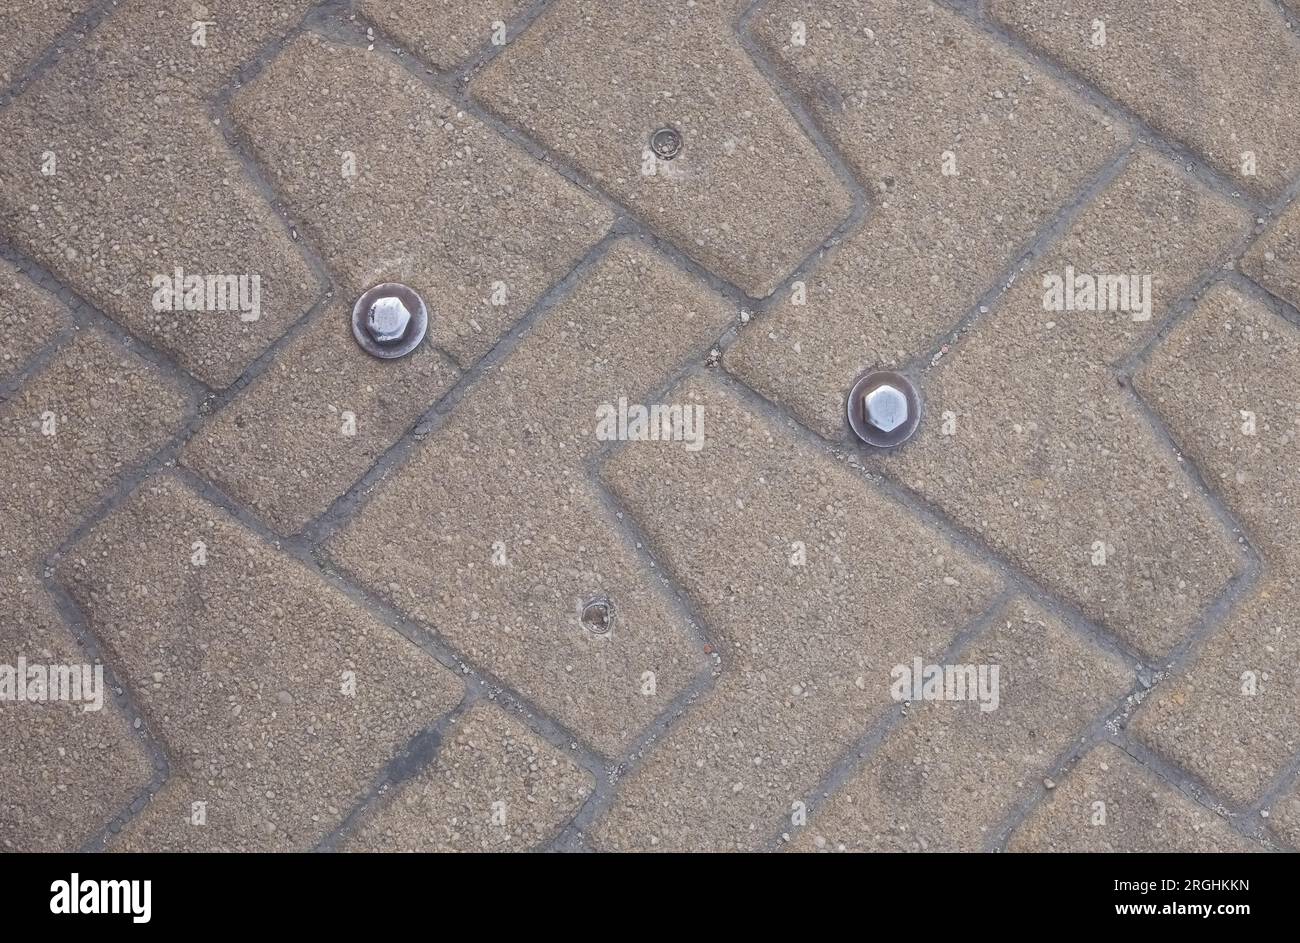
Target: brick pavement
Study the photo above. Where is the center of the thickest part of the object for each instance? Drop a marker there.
(338, 603)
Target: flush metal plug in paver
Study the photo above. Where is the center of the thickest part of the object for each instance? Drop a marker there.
(884, 409)
(389, 320)
(666, 143)
(598, 615)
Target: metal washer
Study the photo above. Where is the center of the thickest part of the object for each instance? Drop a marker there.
(415, 331)
(666, 143)
(857, 413)
(598, 615)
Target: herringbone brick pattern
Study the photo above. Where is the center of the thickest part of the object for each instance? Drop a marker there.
(343, 603)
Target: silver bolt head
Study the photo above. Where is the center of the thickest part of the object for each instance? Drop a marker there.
(387, 320)
(886, 407)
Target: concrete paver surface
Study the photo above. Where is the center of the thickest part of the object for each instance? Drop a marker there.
(600, 563)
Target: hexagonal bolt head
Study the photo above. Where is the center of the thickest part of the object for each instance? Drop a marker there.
(886, 407)
(388, 320)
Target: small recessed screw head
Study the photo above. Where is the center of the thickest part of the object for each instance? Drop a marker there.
(598, 615)
(666, 143)
(884, 409)
(389, 320)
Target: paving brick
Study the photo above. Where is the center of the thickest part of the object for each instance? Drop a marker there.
(1078, 467)
(1232, 716)
(165, 53)
(749, 197)
(1220, 78)
(438, 200)
(29, 26)
(30, 318)
(127, 203)
(494, 786)
(1274, 260)
(310, 426)
(67, 770)
(70, 432)
(444, 32)
(805, 649)
(504, 477)
(1142, 813)
(1285, 816)
(238, 658)
(952, 772)
(897, 86)
(1225, 383)
(1205, 717)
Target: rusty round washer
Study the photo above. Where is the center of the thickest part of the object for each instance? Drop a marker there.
(884, 409)
(372, 337)
(666, 143)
